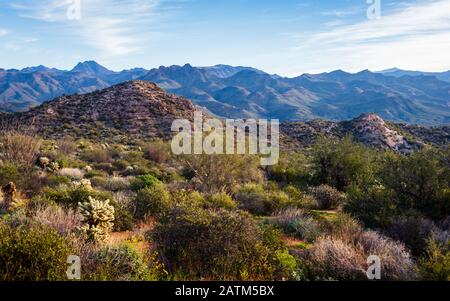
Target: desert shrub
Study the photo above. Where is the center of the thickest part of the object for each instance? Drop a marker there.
(71, 196)
(106, 167)
(419, 181)
(344, 227)
(123, 217)
(256, 200)
(152, 201)
(327, 197)
(414, 232)
(20, 147)
(217, 173)
(376, 207)
(157, 152)
(99, 182)
(67, 145)
(95, 173)
(73, 173)
(296, 222)
(219, 245)
(221, 200)
(97, 155)
(63, 220)
(299, 199)
(98, 218)
(10, 173)
(346, 259)
(121, 263)
(342, 163)
(253, 198)
(292, 168)
(120, 165)
(142, 182)
(32, 254)
(116, 184)
(188, 198)
(435, 265)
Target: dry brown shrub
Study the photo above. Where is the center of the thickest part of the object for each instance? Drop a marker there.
(63, 220)
(222, 173)
(20, 147)
(346, 259)
(67, 145)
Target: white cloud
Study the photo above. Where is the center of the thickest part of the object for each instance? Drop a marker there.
(413, 37)
(112, 27)
(3, 32)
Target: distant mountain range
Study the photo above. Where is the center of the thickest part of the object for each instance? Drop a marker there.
(243, 92)
(140, 109)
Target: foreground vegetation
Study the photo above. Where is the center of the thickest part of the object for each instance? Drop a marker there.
(135, 212)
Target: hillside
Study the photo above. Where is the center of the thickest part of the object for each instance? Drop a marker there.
(234, 92)
(135, 109)
(140, 109)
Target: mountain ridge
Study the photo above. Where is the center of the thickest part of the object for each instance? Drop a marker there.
(140, 109)
(237, 92)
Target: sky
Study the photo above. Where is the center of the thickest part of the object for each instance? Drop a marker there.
(286, 37)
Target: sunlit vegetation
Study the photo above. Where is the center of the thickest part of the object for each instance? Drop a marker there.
(134, 211)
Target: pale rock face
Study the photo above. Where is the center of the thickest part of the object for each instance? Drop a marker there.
(371, 129)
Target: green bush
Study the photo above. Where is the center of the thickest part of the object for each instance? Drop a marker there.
(327, 197)
(120, 263)
(142, 182)
(435, 265)
(152, 201)
(342, 163)
(32, 254)
(419, 181)
(214, 245)
(376, 207)
(256, 200)
(221, 200)
(10, 173)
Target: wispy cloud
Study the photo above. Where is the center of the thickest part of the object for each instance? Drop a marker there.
(339, 13)
(3, 32)
(415, 36)
(112, 27)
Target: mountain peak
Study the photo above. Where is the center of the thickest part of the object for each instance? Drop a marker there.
(91, 67)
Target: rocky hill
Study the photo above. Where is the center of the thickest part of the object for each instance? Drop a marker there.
(131, 109)
(369, 129)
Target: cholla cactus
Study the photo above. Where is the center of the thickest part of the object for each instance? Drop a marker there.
(84, 183)
(43, 162)
(98, 217)
(53, 167)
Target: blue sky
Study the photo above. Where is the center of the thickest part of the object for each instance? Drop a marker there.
(288, 37)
